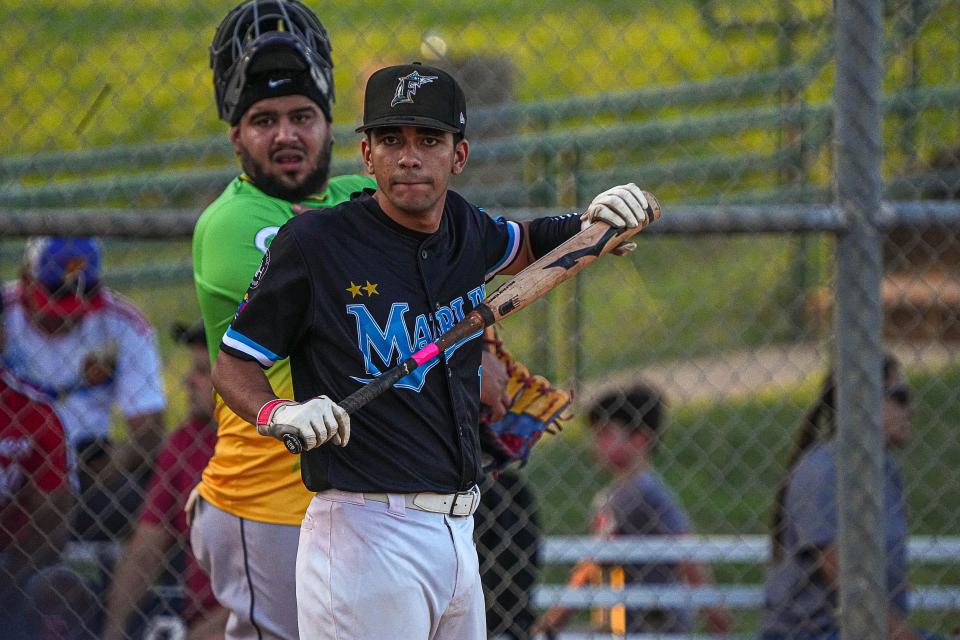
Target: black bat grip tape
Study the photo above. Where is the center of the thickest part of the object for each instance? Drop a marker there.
(359, 398)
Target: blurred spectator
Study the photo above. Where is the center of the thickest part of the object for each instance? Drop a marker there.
(801, 587)
(507, 531)
(161, 537)
(35, 495)
(87, 349)
(626, 429)
(61, 605)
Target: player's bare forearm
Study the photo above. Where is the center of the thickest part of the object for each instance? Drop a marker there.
(242, 385)
(493, 385)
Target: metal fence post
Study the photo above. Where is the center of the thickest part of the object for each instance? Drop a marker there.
(859, 148)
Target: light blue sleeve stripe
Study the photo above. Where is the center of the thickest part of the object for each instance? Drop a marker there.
(513, 245)
(240, 342)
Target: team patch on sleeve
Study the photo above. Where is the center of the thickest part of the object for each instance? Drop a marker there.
(238, 344)
(514, 239)
(264, 265)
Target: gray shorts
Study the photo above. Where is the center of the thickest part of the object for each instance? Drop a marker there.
(252, 568)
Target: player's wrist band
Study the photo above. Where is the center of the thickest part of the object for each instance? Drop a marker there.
(266, 411)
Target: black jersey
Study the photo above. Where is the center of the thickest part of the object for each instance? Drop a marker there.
(347, 293)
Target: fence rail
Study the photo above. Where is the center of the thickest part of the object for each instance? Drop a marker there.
(754, 549)
(708, 549)
(681, 219)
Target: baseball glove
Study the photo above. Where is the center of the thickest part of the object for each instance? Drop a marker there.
(535, 407)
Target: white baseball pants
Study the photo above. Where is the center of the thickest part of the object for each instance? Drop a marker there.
(368, 570)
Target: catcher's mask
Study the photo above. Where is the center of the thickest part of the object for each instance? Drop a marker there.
(270, 48)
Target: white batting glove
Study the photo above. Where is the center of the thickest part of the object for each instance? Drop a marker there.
(315, 421)
(623, 206)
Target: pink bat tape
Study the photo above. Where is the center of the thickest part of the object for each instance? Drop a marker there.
(426, 354)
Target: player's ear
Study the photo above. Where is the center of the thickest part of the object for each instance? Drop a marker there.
(365, 153)
(461, 150)
(235, 138)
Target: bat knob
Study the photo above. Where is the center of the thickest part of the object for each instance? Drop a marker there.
(654, 212)
(292, 443)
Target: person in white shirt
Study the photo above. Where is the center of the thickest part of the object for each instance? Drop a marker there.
(86, 350)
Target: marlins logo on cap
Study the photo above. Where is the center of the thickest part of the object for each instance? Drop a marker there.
(407, 87)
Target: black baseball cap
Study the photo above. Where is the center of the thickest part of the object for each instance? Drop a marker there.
(416, 95)
(280, 67)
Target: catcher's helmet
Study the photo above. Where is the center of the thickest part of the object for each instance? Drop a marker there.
(266, 48)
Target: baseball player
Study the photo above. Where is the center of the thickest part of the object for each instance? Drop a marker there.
(86, 349)
(273, 82)
(386, 548)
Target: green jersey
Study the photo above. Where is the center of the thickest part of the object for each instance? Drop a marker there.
(233, 234)
(249, 475)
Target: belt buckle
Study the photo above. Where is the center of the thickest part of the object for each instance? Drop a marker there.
(474, 495)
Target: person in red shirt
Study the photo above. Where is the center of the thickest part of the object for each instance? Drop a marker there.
(163, 531)
(35, 494)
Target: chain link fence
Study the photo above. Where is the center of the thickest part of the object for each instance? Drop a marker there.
(740, 116)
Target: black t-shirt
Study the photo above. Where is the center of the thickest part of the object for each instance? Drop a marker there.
(347, 293)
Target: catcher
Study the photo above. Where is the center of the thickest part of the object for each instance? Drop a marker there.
(506, 524)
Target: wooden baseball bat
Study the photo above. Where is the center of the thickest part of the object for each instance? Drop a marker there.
(531, 284)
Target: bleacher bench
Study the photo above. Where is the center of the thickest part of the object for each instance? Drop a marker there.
(751, 549)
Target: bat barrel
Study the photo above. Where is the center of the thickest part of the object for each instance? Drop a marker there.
(563, 262)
